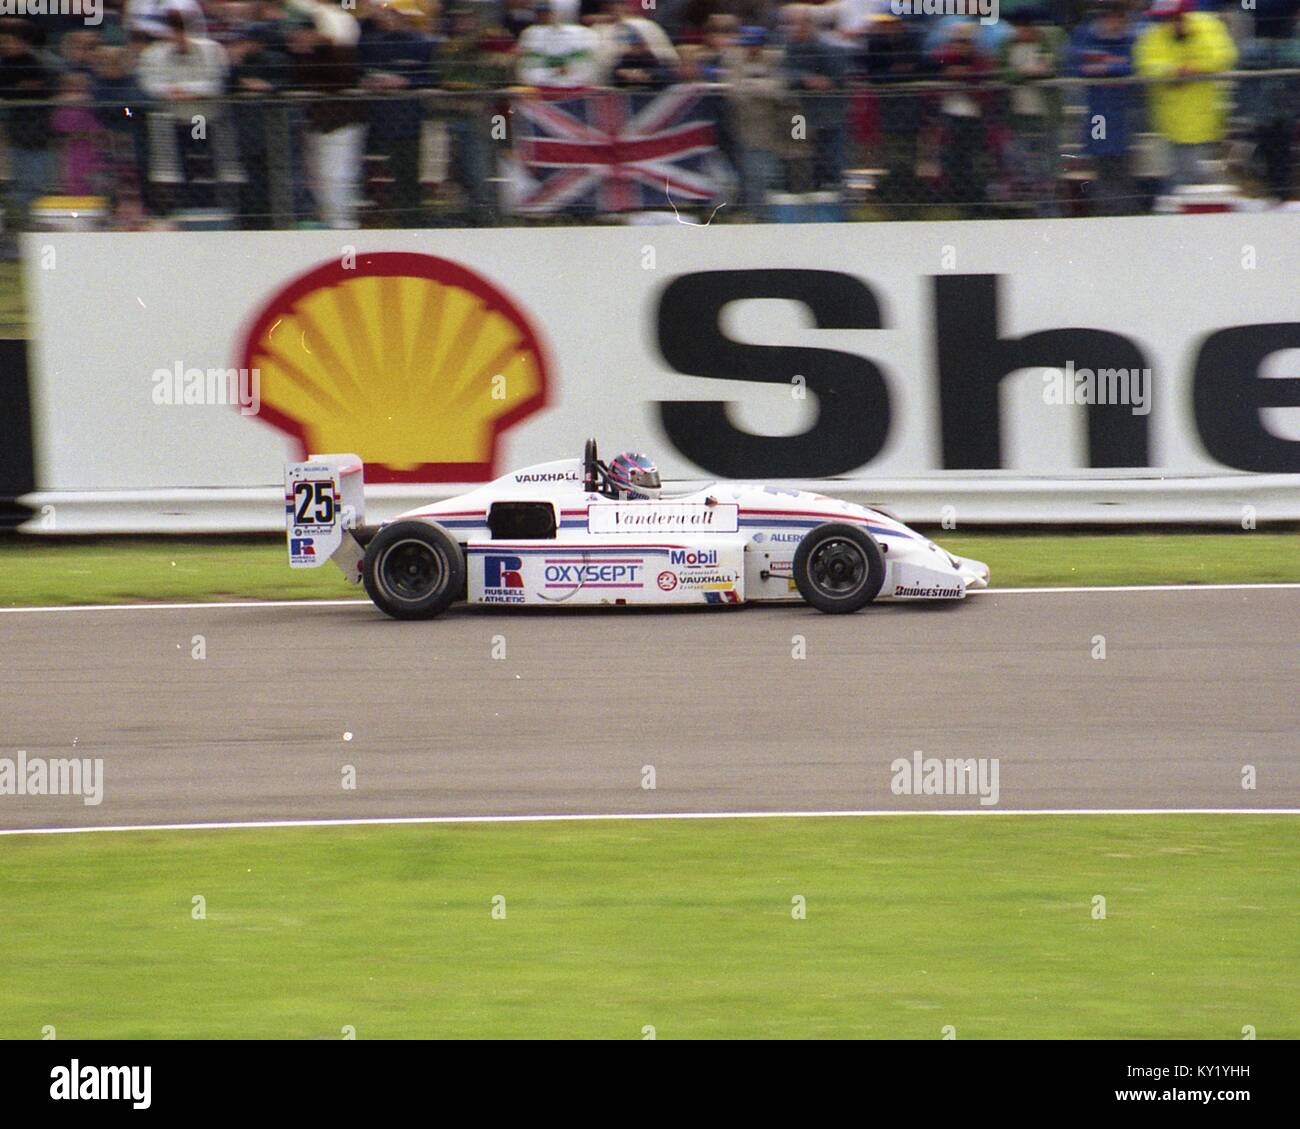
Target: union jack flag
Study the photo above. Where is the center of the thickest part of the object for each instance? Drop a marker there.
(614, 152)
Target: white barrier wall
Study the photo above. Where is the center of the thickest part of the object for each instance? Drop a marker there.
(922, 365)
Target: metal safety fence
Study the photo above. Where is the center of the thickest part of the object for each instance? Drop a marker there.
(703, 151)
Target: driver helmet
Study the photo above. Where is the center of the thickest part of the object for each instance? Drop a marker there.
(635, 475)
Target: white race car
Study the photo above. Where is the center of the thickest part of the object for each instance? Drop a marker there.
(565, 534)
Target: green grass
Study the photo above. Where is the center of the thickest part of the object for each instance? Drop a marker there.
(1048, 560)
(36, 571)
(13, 309)
(913, 924)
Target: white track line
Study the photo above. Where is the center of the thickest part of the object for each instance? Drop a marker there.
(201, 605)
(393, 821)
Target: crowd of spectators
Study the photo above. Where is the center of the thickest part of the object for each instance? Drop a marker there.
(338, 112)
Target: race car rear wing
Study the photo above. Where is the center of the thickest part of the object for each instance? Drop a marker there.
(324, 502)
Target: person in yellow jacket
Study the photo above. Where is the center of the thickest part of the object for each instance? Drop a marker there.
(1183, 45)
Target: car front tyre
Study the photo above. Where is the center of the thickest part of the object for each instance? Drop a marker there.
(839, 568)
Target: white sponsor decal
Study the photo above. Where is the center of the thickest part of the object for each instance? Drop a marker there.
(623, 574)
(932, 591)
(716, 580)
(662, 517)
(548, 476)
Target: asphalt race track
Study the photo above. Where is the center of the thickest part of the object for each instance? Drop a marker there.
(1195, 685)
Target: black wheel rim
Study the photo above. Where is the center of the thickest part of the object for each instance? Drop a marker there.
(411, 570)
(838, 567)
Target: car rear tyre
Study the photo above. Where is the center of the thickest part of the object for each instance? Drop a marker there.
(413, 570)
(839, 568)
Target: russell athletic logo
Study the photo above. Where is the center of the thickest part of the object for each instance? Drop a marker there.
(503, 579)
(503, 572)
(415, 362)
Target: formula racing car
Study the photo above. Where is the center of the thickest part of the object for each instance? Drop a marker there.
(582, 532)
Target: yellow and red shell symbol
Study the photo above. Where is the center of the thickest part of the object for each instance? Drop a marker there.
(415, 362)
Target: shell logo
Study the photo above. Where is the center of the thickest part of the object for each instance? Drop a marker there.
(415, 362)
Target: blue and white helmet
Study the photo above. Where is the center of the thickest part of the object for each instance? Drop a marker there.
(635, 475)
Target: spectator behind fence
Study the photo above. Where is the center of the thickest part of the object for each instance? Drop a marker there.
(396, 57)
(118, 101)
(1272, 104)
(553, 53)
(1179, 47)
(815, 70)
(987, 38)
(268, 23)
(517, 16)
(965, 138)
(632, 63)
(149, 17)
(891, 57)
(1103, 48)
(182, 74)
(851, 23)
(260, 70)
(1274, 19)
(82, 141)
(24, 77)
(1032, 54)
(757, 113)
(705, 61)
(77, 50)
(683, 21)
(324, 59)
(465, 63)
(622, 36)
